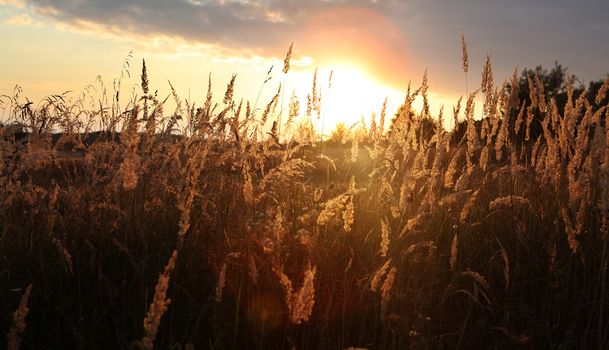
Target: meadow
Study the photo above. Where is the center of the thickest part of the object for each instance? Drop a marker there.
(222, 225)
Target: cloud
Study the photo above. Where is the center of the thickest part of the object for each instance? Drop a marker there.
(14, 3)
(261, 26)
(400, 34)
(22, 19)
(257, 26)
(323, 29)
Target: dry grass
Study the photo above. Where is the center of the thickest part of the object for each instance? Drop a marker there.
(491, 235)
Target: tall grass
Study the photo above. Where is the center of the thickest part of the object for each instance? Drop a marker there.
(492, 235)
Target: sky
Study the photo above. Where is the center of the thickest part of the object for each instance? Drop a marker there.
(372, 47)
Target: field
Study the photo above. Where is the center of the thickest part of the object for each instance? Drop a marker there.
(221, 226)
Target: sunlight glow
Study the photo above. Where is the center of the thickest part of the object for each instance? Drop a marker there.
(349, 93)
(347, 97)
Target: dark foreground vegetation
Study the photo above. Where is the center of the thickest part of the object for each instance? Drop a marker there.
(234, 233)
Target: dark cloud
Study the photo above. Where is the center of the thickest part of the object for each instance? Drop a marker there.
(527, 33)
(523, 32)
(261, 26)
(230, 23)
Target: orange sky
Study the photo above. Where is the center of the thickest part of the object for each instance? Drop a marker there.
(358, 36)
(374, 47)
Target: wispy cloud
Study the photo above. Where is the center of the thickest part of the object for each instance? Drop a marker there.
(258, 26)
(263, 26)
(22, 19)
(14, 3)
(387, 32)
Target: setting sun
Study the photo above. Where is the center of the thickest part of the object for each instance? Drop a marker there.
(352, 95)
(349, 94)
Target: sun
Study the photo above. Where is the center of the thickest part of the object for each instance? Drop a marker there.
(349, 91)
(352, 95)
